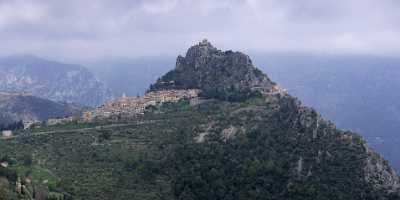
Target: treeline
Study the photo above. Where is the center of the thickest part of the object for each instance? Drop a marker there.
(230, 94)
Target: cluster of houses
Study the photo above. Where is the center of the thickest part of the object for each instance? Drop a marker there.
(130, 106)
(6, 134)
(276, 89)
(51, 122)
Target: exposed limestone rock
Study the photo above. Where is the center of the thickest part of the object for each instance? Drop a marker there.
(299, 168)
(229, 133)
(379, 173)
(201, 137)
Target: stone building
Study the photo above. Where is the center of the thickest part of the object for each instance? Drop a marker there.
(276, 89)
(51, 122)
(30, 124)
(4, 164)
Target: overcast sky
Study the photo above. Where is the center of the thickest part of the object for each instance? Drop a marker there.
(90, 29)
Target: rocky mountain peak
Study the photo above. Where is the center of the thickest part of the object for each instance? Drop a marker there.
(219, 74)
(197, 55)
(205, 44)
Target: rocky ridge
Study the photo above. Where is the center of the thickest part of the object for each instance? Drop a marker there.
(219, 74)
(24, 107)
(51, 80)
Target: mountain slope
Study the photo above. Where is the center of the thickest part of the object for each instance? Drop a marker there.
(352, 91)
(265, 146)
(16, 107)
(51, 80)
(215, 150)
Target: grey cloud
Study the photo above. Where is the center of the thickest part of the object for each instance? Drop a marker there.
(84, 29)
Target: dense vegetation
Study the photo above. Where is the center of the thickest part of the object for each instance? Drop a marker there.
(215, 150)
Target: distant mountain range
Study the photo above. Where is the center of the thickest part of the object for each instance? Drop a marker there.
(131, 76)
(51, 80)
(16, 107)
(352, 91)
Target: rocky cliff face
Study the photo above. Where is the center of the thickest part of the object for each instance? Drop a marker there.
(51, 80)
(379, 173)
(217, 73)
(16, 107)
(374, 170)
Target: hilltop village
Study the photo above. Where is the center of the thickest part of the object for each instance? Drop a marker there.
(130, 106)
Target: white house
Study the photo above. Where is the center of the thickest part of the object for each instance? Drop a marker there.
(6, 133)
(4, 164)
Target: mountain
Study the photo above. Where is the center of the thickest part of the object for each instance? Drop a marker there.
(218, 74)
(205, 67)
(16, 107)
(51, 80)
(252, 140)
(351, 90)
